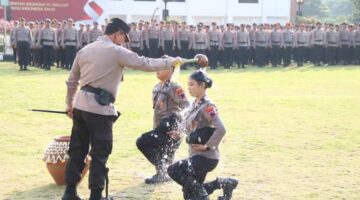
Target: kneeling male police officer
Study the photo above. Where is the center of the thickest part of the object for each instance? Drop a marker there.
(98, 69)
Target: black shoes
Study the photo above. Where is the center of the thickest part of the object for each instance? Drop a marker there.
(228, 185)
(196, 192)
(158, 178)
(71, 197)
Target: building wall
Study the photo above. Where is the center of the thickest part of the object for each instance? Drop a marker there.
(206, 11)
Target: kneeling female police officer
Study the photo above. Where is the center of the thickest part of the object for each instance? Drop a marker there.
(204, 130)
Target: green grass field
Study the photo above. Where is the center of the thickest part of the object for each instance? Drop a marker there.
(293, 133)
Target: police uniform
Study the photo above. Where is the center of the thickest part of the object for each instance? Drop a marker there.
(200, 41)
(136, 41)
(228, 41)
(93, 106)
(47, 41)
(302, 42)
(94, 34)
(168, 41)
(318, 41)
(184, 42)
(243, 46)
(70, 42)
(154, 41)
(145, 37)
(191, 173)
(332, 42)
(288, 41)
(214, 37)
(275, 45)
(168, 98)
(357, 46)
(345, 45)
(261, 43)
(252, 52)
(13, 44)
(23, 41)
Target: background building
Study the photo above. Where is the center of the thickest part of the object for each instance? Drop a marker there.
(194, 11)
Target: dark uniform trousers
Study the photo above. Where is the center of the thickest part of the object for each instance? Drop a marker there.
(23, 50)
(213, 56)
(153, 48)
(301, 55)
(145, 51)
(93, 130)
(168, 47)
(70, 53)
(136, 50)
(14, 54)
(275, 55)
(357, 55)
(287, 56)
(191, 173)
(331, 55)
(318, 51)
(242, 56)
(47, 54)
(228, 57)
(345, 54)
(184, 51)
(260, 56)
(158, 147)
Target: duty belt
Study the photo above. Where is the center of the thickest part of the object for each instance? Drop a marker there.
(302, 42)
(135, 41)
(318, 40)
(214, 40)
(200, 42)
(332, 42)
(288, 42)
(99, 92)
(344, 40)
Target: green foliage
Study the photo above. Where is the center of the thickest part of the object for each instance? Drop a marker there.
(356, 7)
(292, 133)
(329, 11)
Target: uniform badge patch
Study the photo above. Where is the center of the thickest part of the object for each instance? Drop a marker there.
(180, 92)
(211, 110)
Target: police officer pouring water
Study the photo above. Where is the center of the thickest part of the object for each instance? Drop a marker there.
(92, 108)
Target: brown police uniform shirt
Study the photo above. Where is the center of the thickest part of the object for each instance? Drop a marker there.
(101, 65)
(168, 98)
(205, 114)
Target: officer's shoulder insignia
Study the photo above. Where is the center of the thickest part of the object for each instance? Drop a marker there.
(180, 92)
(211, 111)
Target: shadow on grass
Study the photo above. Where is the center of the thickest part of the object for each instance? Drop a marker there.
(139, 192)
(48, 192)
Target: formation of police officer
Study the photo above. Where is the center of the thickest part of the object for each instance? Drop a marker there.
(230, 45)
(226, 45)
(50, 42)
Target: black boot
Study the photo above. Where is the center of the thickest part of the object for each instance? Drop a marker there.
(161, 176)
(199, 192)
(228, 185)
(96, 194)
(71, 194)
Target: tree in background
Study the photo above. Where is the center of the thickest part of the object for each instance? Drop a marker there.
(356, 10)
(331, 11)
(315, 8)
